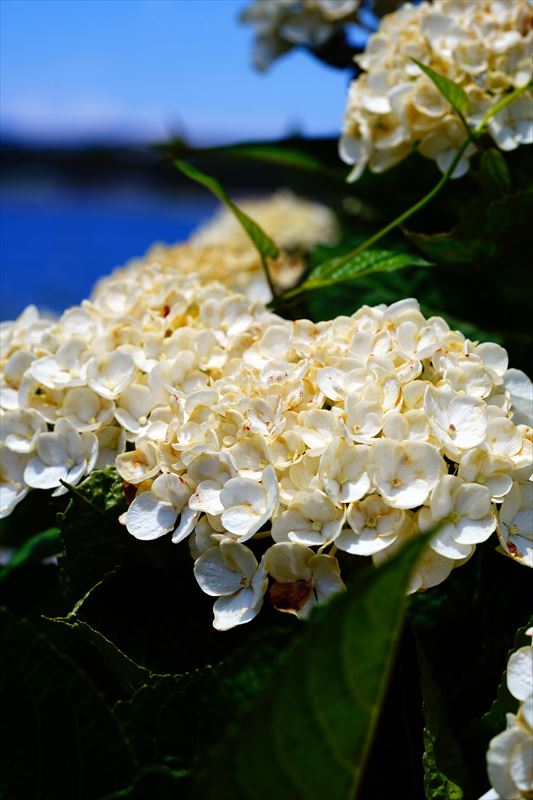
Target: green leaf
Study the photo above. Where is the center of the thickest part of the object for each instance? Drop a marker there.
(161, 719)
(488, 232)
(59, 739)
(452, 92)
(153, 783)
(494, 174)
(348, 268)
(263, 243)
(445, 775)
(308, 734)
(94, 542)
(174, 719)
(129, 673)
(43, 544)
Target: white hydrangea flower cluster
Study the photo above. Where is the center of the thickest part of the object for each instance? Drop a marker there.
(485, 47)
(510, 754)
(273, 446)
(281, 25)
(351, 435)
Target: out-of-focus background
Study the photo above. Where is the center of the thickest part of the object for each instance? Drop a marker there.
(87, 88)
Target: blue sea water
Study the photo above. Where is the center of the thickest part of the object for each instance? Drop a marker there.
(57, 239)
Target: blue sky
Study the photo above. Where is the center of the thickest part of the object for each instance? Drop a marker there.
(76, 70)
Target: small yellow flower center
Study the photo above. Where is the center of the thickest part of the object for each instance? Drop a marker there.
(69, 462)
(371, 522)
(481, 479)
(316, 526)
(395, 482)
(513, 529)
(455, 516)
(142, 420)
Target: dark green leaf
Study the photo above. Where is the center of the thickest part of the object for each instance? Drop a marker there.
(308, 734)
(504, 703)
(43, 544)
(445, 775)
(452, 92)
(486, 233)
(59, 739)
(94, 542)
(161, 719)
(281, 155)
(153, 783)
(175, 718)
(263, 243)
(494, 174)
(130, 674)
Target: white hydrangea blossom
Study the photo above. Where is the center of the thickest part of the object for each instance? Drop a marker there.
(510, 754)
(281, 25)
(485, 47)
(281, 441)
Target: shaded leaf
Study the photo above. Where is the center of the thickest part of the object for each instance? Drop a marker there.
(308, 734)
(174, 719)
(494, 720)
(452, 92)
(263, 243)
(280, 155)
(161, 718)
(39, 546)
(130, 674)
(59, 739)
(94, 542)
(491, 230)
(494, 174)
(153, 783)
(445, 774)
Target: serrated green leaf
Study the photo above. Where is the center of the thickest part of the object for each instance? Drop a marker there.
(349, 268)
(129, 674)
(452, 92)
(445, 774)
(43, 544)
(261, 241)
(175, 718)
(59, 739)
(94, 542)
(308, 734)
(494, 174)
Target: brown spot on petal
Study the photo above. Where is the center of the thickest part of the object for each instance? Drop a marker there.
(289, 597)
(166, 311)
(512, 548)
